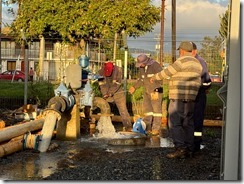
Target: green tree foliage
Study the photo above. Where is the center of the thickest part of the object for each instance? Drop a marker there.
(223, 30)
(74, 20)
(210, 51)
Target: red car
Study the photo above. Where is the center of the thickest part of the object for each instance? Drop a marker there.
(15, 75)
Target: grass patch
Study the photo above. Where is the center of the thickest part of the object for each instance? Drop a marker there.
(210, 133)
(40, 91)
(212, 97)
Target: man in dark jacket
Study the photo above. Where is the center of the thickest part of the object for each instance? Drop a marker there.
(152, 96)
(113, 91)
(201, 99)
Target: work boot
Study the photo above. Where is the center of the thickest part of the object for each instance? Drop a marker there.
(153, 133)
(164, 132)
(179, 153)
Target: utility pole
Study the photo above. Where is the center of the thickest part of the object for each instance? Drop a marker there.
(0, 36)
(173, 30)
(162, 34)
(26, 64)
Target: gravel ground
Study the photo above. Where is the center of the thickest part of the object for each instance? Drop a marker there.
(91, 162)
(145, 164)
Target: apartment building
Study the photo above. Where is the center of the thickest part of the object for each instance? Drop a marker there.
(47, 56)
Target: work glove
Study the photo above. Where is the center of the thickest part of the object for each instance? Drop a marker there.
(131, 90)
(154, 95)
(107, 95)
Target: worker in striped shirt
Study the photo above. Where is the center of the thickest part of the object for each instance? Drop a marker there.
(184, 82)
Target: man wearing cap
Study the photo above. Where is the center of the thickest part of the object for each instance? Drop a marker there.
(201, 99)
(152, 96)
(112, 90)
(184, 81)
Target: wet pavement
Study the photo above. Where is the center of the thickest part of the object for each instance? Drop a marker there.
(92, 158)
(33, 165)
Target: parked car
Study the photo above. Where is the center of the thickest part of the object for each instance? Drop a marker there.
(215, 78)
(15, 75)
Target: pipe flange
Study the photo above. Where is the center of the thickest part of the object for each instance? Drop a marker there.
(57, 103)
(52, 111)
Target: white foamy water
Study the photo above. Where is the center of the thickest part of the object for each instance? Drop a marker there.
(106, 128)
(166, 142)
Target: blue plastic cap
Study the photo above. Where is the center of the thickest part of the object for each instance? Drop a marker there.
(139, 126)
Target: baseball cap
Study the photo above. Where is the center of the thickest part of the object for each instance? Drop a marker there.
(185, 45)
(142, 59)
(194, 46)
(108, 68)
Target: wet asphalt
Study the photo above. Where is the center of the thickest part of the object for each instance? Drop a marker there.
(92, 159)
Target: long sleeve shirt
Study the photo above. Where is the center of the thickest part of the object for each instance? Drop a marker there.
(111, 85)
(144, 77)
(184, 78)
(205, 77)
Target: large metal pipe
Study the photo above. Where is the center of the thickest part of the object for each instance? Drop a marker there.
(12, 146)
(47, 124)
(56, 106)
(103, 105)
(58, 103)
(17, 130)
(51, 118)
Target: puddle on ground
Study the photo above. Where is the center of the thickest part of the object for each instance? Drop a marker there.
(39, 165)
(34, 165)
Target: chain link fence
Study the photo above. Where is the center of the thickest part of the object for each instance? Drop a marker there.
(99, 53)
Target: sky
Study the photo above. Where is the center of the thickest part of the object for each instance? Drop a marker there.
(7, 18)
(195, 19)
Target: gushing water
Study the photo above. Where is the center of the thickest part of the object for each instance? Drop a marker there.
(106, 128)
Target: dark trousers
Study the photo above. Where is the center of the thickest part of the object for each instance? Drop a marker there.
(31, 78)
(181, 124)
(152, 110)
(200, 104)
